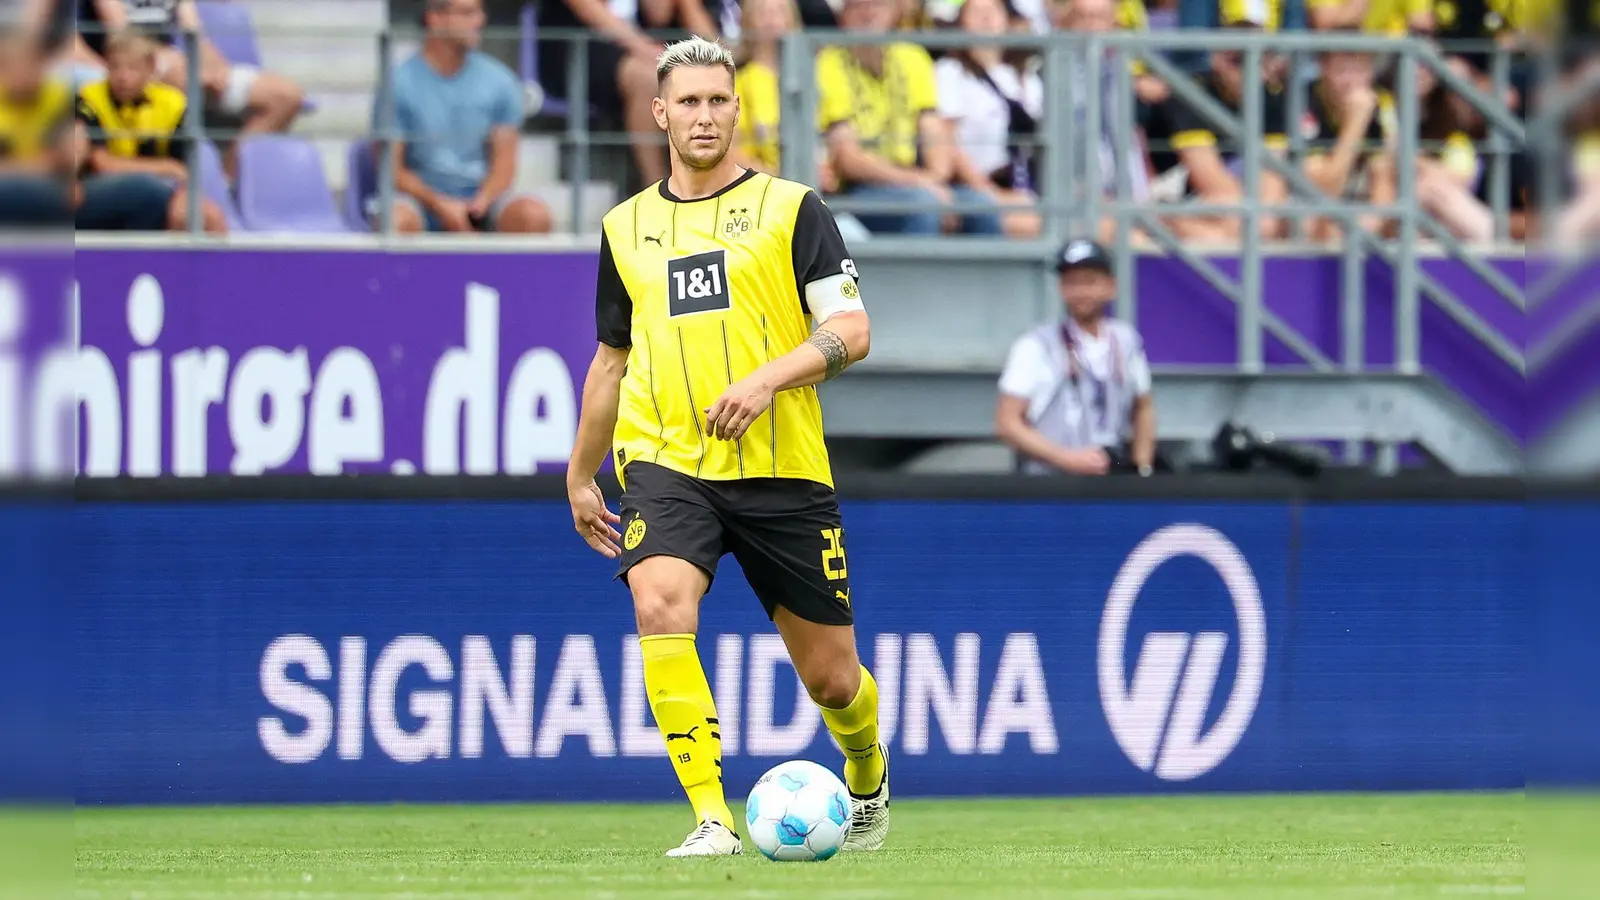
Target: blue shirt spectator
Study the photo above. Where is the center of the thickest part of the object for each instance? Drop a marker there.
(446, 121)
(459, 115)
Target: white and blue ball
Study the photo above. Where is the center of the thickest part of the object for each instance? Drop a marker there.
(798, 812)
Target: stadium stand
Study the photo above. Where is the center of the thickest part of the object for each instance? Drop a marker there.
(579, 166)
(332, 46)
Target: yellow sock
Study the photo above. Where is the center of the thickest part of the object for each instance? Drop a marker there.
(680, 697)
(856, 729)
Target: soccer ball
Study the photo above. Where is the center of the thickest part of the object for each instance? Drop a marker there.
(798, 812)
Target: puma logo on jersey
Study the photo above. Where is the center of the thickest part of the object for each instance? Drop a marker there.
(655, 240)
(687, 736)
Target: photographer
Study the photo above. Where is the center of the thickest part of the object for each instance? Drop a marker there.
(1075, 394)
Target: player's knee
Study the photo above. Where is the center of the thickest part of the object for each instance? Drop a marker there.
(836, 687)
(661, 609)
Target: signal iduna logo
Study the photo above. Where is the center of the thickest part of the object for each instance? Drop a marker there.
(1157, 717)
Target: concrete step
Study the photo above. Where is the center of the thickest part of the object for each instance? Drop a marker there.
(335, 161)
(598, 198)
(539, 156)
(318, 62)
(345, 114)
(304, 15)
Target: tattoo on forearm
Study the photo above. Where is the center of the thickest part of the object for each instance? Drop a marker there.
(833, 350)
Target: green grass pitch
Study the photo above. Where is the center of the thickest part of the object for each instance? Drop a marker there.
(1295, 847)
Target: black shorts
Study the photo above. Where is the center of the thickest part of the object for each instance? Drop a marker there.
(784, 532)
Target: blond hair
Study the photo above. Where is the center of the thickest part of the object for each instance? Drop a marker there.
(131, 42)
(694, 53)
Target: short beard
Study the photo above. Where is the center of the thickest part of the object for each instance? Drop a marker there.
(707, 166)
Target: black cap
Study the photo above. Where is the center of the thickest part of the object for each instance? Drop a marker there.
(1081, 253)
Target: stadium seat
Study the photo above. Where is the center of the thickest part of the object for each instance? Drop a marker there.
(231, 29)
(282, 188)
(214, 183)
(539, 101)
(229, 26)
(361, 186)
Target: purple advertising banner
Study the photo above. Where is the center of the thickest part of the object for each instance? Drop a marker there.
(1184, 320)
(213, 361)
(250, 361)
(35, 326)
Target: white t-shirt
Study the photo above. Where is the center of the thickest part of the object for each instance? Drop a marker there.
(1096, 411)
(984, 119)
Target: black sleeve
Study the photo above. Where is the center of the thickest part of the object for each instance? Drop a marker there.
(819, 250)
(1185, 121)
(613, 308)
(91, 120)
(1274, 113)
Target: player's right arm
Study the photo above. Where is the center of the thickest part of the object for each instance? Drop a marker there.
(597, 417)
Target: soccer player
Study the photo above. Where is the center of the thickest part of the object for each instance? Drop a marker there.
(703, 386)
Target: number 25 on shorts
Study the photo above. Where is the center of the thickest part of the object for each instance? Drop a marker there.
(833, 562)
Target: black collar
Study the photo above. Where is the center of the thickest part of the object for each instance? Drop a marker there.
(143, 98)
(668, 195)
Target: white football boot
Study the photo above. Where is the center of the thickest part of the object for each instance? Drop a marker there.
(869, 816)
(709, 838)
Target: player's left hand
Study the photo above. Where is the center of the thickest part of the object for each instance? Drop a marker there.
(739, 406)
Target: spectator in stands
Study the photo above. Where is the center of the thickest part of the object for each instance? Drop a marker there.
(765, 22)
(1211, 166)
(135, 124)
(36, 156)
(1387, 17)
(1450, 172)
(1132, 15)
(1075, 393)
(879, 111)
(994, 110)
(262, 101)
(763, 25)
(1348, 126)
(1100, 16)
(1470, 20)
(622, 63)
(1578, 221)
(459, 113)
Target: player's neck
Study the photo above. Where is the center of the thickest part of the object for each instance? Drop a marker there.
(697, 184)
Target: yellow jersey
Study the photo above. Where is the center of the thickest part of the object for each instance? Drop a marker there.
(701, 293)
(33, 126)
(1385, 17)
(1233, 12)
(759, 104)
(147, 127)
(884, 109)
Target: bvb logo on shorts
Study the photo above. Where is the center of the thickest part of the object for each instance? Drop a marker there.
(848, 289)
(634, 534)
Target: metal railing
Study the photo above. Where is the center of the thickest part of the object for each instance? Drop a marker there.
(1071, 194)
(1073, 200)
